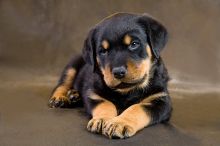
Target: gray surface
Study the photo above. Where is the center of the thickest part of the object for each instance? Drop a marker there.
(37, 38)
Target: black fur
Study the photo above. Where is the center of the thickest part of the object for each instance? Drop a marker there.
(157, 33)
(89, 76)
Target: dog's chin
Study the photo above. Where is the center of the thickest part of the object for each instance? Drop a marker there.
(124, 85)
(129, 84)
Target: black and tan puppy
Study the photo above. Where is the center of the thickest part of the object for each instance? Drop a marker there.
(120, 76)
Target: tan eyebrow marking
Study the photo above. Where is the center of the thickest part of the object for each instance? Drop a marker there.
(127, 39)
(105, 44)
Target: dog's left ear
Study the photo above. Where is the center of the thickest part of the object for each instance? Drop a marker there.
(157, 35)
(89, 50)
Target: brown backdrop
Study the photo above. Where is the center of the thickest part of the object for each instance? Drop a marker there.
(38, 37)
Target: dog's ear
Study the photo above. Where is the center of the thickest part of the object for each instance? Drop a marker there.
(157, 35)
(89, 50)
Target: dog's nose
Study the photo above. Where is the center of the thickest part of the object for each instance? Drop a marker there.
(119, 72)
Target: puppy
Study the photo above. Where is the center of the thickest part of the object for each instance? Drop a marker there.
(120, 76)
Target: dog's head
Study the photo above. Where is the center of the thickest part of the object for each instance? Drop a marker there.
(123, 47)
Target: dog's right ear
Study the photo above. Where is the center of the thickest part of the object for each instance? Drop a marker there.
(157, 34)
(89, 51)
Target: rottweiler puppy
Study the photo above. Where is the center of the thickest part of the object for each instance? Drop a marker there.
(120, 76)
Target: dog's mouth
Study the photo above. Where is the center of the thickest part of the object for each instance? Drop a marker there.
(124, 85)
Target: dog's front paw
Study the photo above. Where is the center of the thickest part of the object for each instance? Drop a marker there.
(95, 124)
(58, 101)
(64, 100)
(73, 96)
(118, 128)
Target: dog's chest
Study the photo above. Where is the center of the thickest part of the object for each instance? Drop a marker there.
(124, 101)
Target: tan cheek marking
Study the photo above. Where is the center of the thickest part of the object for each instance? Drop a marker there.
(136, 117)
(98, 61)
(136, 70)
(149, 51)
(148, 67)
(127, 40)
(107, 74)
(108, 77)
(105, 44)
(62, 89)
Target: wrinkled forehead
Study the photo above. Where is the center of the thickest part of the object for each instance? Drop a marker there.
(115, 29)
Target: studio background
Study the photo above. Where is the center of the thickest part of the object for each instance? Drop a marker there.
(38, 38)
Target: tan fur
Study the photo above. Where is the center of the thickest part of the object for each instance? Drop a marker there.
(125, 90)
(128, 123)
(105, 44)
(149, 99)
(127, 40)
(101, 113)
(98, 61)
(136, 71)
(148, 68)
(104, 109)
(61, 91)
(108, 77)
(136, 116)
(131, 120)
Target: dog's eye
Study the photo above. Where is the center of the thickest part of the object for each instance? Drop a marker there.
(103, 52)
(134, 46)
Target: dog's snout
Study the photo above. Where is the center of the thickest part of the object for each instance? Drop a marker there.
(119, 72)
